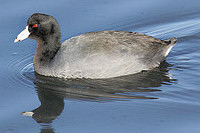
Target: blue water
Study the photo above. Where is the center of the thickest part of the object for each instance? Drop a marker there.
(164, 100)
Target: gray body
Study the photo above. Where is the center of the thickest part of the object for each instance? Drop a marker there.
(106, 54)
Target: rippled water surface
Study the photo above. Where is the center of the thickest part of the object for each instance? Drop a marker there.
(163, 100)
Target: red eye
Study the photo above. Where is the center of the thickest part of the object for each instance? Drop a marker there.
(35, 25)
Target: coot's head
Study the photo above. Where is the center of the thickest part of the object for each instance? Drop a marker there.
(40, 27)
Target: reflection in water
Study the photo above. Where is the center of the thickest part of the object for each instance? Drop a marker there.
(120, 88)
(51, 107)
(53, 91)
(46, 129)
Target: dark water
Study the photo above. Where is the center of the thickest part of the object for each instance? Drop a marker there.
(164, 100)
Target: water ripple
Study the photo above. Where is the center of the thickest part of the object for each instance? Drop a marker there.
(16, 70)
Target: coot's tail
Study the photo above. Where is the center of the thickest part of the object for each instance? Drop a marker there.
(171, 42)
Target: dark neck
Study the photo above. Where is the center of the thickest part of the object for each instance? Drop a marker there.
(45, 51)
(48, 49)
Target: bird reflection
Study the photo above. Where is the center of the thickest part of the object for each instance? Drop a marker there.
(53, 91)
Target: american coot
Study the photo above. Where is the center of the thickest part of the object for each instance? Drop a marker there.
(101, 54)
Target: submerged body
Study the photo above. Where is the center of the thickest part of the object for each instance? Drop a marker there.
(102, 54)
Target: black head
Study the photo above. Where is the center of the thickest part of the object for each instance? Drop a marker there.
(43, 27)
(46, 31)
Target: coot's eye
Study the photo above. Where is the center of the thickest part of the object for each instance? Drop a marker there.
(35, 25)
